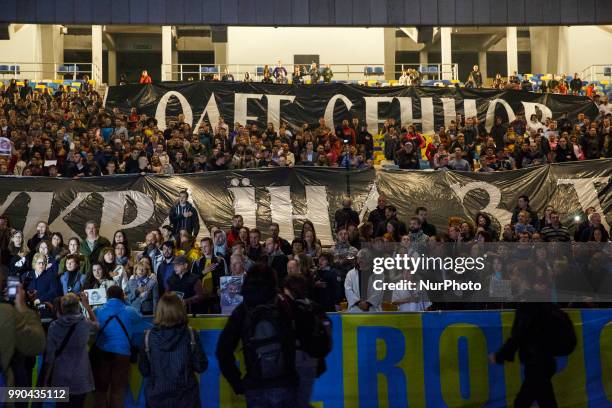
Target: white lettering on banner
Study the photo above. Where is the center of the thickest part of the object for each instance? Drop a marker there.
(491, 113)
(317, 211)
(274, 105)
(427, 113)
(38, 209)
(503, 216)
(469, 108)
(212, 110)
(240, 107)
(281, 209)
(530, 109)
(329, 109)
(587, 194)
(160, 112)
(370, 204)
(245, 204)
(371, 111)
(113, 211)
(450, 112)
(59, 224)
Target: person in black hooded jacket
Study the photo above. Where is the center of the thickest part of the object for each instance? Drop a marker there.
(259, 289)
(171, 356)
(529, 338)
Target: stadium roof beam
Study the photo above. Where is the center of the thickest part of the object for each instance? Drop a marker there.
(331, 13)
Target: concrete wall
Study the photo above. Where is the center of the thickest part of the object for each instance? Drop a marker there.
(35, 48)
(266, 45)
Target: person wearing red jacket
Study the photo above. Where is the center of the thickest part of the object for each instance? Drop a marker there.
(145, 78)
(348, 133)
(415, 138)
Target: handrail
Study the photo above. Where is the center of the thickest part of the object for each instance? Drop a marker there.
(47, 70)
(341, 72)
(596, 71)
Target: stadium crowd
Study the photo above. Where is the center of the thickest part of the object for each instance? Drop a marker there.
(70, 134)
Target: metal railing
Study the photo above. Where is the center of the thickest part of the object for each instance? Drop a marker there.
(341, 72)
(37, 71)
(598, 72)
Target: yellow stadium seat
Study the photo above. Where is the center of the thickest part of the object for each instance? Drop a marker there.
(372, 82)
(76, 84)
(604, 82)
(41, 86)
(454, 81)
(92, 82)
(74, 90)
(393, 82)
(527, 75)
(19, 83)
(58, 81)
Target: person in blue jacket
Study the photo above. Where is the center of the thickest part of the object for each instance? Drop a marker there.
(112, 348)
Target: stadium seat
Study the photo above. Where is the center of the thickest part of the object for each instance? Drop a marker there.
(433, 69)
(14, 69)
(260, 71)
(607, 71)
(368, 71)
(4, 69)
(379, 71)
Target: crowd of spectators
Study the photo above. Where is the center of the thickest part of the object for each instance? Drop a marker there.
(70, 134)
(172, 260)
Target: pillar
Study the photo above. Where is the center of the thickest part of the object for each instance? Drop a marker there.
(166, 72)
(96, 53)
(112, 67)
(511, 50)
(389, 49)
(482, 64)
(447, 56)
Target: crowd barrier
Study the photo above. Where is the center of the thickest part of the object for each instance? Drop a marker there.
(432, 359)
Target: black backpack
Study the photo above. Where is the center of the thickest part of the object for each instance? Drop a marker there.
(313, 328)
(268, 343)
(561, 333)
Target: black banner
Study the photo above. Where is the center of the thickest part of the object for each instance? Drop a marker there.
(291, 195)
(426, 107)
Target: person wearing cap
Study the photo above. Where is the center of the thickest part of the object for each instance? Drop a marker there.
(186, 285)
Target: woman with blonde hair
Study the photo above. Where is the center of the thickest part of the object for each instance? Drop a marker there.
(141, 292)
(171, 357)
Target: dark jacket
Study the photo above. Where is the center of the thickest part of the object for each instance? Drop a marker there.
(429, 229)
(190, 286)
(253, 294)
(528, 335)
(47, 285)
(329, 296)
(171, 366)
(278, 262)
(165, 270)
(346, 216)
(179, 222)
(376, 216)
(72, 368)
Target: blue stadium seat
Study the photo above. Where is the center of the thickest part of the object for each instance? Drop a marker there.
(432, 69)
(4, 69)
(260, 71)
(378, 71)
(14, 69)
(213, 70)
(368, 71)
(607, 71)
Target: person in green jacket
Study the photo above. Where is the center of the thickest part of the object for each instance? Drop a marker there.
(327, 74)
(21, 331)
(93, 243)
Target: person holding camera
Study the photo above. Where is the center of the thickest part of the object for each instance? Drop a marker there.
(21, 329)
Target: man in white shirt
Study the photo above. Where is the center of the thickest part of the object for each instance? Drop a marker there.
(360, 280)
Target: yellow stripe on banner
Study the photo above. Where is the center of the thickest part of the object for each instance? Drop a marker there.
(570, 383)
(605, 349)
(512, 370)
(227, 397)
(412, 363)
(478, 365)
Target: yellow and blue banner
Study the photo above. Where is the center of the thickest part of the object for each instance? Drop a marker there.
(432, 359)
